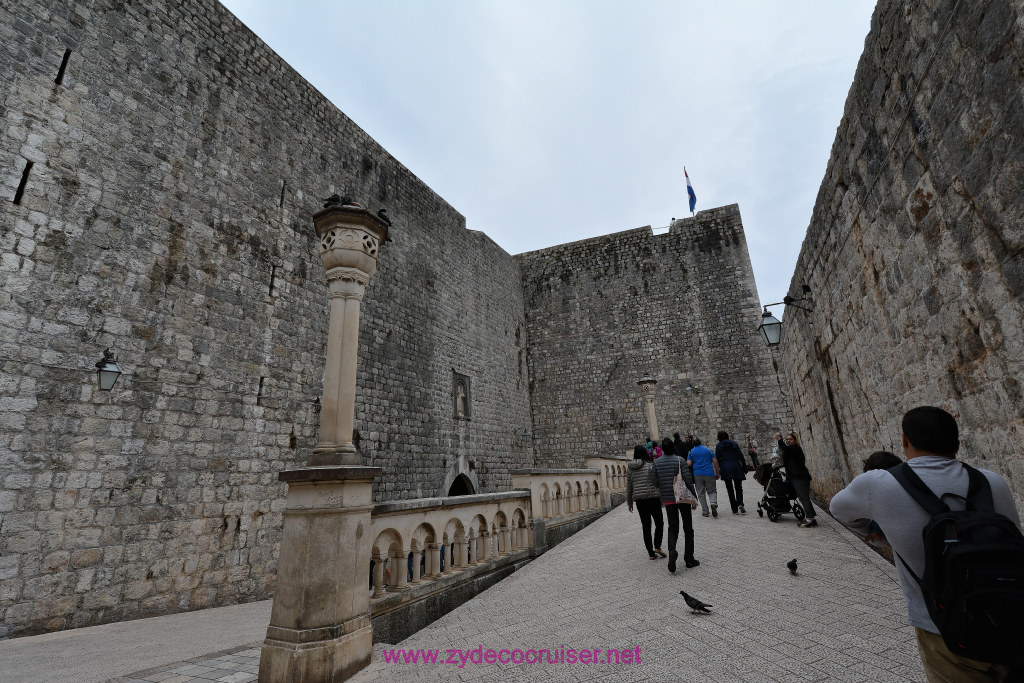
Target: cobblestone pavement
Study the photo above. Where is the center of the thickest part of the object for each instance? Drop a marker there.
(841, 618)
(233, 666)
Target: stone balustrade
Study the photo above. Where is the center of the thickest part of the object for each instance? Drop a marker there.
(613, 474)
(438, 537)
(557, 493)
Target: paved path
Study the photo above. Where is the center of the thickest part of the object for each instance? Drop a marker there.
(840, 619)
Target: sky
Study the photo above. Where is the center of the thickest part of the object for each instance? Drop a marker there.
(550, 121)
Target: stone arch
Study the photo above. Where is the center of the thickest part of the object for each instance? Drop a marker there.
(424, 534)
(460, 468)
(389, 539)
(461, 486)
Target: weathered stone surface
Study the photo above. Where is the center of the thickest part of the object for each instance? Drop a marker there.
(167, 214)
(914, 246)
(680, 306)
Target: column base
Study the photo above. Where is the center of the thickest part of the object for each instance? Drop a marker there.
(305, 656)
(344, 454)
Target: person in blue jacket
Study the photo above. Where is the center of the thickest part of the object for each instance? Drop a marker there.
(705, 474)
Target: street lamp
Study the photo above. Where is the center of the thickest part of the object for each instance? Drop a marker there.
(107, 371)
(770, 327)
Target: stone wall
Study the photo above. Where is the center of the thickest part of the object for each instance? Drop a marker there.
(167, 214)
(914, 250)
(680, 306)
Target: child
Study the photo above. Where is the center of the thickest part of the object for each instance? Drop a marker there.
(879, 460)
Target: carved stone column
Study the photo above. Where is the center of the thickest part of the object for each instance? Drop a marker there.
(378, 575)
(320, 620)
(417, 558)
(435, 560)
(350, 239)
(647, 385)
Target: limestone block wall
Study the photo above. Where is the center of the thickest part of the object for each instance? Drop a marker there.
(681, 306)
(914, 249)
(166, 213)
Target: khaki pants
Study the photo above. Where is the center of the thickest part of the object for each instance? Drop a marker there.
(943, 666)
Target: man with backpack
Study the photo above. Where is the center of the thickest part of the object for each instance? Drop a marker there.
(955, 533)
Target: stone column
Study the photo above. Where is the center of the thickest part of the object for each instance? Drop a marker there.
(320, 620)
(647, 385)
(460, 553)
(417, 556)
(435, 559)
(473, 557)
(350, 238)
(378, 575)
(482, 543)
(399, 568)
(505, 540)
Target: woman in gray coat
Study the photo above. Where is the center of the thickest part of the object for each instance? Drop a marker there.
(640, 490)
(663, 472)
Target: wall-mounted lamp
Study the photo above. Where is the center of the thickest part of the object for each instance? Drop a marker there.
(688, 390)
(107, 371)
(770, 327)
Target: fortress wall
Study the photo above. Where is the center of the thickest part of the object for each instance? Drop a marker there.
(914, 248)
(168, 215)
(681, 306)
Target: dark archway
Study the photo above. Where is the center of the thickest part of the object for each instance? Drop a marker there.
(462, 486)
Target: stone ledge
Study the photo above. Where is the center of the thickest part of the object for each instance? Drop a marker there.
(448, 502)
(543, 471)
(330, 473)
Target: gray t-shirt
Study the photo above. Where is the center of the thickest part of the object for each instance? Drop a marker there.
(877, 496)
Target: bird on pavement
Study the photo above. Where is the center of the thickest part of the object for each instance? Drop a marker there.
(791, 565)
(695, 604)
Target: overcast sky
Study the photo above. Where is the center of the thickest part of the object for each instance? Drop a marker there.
(550, 121)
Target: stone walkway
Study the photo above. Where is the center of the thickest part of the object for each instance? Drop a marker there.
(840, 619)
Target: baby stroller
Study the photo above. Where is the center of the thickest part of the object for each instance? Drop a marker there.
(778, 492)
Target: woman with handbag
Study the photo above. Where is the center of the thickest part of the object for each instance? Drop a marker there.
(641, 491)
(681, 503)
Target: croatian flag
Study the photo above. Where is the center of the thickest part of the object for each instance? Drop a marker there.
(689, 190)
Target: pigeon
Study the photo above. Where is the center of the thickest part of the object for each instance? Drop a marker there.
(383, 215)
(791, 565)
(695, 604)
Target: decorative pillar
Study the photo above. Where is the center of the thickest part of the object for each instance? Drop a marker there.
(505, 540)
(399, 568)
(417, 557)
(378, 575)
(434, 563)
(647, 385)
(474, 546)
(460, 552)
(350, 239)
(320, 620)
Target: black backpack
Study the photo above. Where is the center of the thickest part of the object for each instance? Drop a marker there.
(973, 582)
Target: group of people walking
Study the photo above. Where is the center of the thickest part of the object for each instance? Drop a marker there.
(654, 469)
(889, 505)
